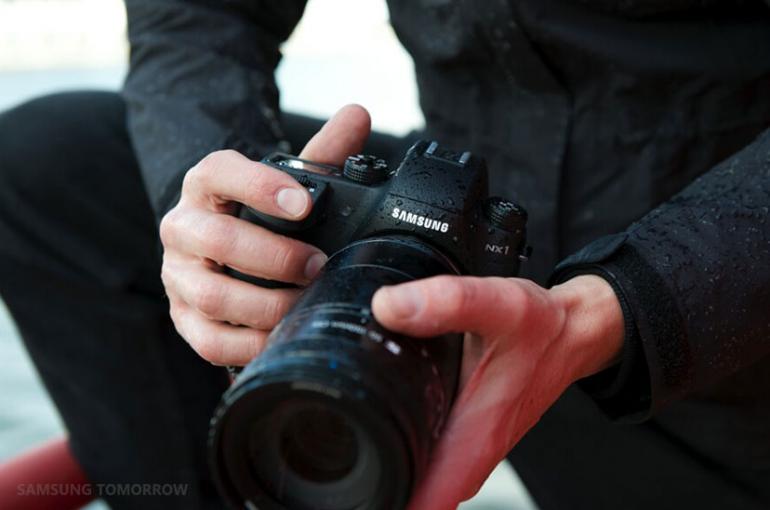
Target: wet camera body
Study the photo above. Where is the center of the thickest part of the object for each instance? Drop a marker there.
(435, 194)
(339, 413)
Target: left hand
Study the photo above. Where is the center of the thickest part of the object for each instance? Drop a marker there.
(526, 345)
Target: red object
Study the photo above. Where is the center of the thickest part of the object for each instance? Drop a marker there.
(46, 478)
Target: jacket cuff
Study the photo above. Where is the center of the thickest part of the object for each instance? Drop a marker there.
(634, 388)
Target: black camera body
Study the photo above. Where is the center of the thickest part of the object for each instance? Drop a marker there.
(435, 194)
(339, 413)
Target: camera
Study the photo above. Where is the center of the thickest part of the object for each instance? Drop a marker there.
(339, 413)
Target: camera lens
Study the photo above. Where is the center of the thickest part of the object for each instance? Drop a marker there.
(338, 413)
(309, 454)
(319, 444)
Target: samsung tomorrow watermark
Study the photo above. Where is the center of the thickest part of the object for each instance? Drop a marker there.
(98, 490)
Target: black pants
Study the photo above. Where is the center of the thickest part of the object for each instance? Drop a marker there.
(80, 273)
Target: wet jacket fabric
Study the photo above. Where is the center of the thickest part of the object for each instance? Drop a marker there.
(633, 131)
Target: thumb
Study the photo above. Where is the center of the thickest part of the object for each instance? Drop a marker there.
(445, 304)
(342, 135)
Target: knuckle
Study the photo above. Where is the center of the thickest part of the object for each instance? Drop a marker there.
(273, 309)
(211, 162)
(217, 237)
(515, 299)
(209, 299)
(258, 341)
(283, 260)
(518, 296)
(268, 312)
(459, 293)
(207, 347)
(175, 312)
(166, 275)
(195, 177)
(169, 226)
(261, 182)
(201, 174)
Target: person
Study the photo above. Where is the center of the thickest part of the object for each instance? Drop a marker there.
(628, 369)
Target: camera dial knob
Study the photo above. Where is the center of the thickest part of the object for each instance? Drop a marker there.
(505, 214)
(365, 169)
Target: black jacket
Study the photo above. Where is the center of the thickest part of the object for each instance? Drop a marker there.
(608, 120)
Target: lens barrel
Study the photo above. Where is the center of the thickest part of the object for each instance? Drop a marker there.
(338, 413)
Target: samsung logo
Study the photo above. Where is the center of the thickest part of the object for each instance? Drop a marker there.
(420, 221)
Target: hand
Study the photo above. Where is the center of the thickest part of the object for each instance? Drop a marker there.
(526, 346)
(226, 320)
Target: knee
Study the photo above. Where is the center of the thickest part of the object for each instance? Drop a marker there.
(45, 141)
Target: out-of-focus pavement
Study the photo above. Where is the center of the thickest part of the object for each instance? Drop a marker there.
(342, 52)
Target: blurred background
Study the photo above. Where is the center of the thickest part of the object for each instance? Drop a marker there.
(343, 51)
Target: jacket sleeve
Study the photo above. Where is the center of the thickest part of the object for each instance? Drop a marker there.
(693, 279)
(201, 79)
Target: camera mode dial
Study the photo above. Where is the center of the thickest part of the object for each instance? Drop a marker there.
(505, 214)
(365, 169)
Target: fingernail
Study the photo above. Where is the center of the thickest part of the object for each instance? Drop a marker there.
(314, 265)
(292, 201)
(404, 301)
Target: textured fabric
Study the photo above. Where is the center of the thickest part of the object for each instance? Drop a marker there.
(651, 8)
(697, 326)
(201, 79)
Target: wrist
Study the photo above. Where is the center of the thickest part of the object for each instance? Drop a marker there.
(593, 331)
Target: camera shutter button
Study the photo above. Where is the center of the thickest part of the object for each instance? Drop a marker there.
(365, 169)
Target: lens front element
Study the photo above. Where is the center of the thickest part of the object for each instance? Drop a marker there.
(318, 444)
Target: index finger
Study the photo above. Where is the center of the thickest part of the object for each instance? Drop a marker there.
(342, 135)
(226, 176)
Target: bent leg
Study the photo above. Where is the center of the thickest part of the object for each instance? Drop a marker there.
(80, 273)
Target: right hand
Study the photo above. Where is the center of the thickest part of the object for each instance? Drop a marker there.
(224, 319)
